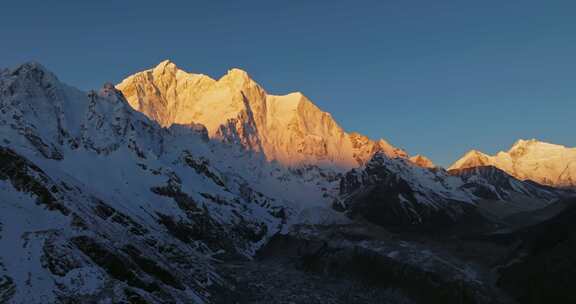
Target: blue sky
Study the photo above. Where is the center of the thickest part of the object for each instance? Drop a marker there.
(433, 77)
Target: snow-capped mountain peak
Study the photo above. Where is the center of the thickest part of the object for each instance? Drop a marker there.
(542, 162)
(289, 129)
(472, 158)
(422, 161)
(96, 194)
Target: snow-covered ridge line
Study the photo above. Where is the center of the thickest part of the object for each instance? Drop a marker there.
(544, 163)
(289, 129)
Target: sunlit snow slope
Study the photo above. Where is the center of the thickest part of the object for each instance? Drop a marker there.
(545, 163)
(289, 129)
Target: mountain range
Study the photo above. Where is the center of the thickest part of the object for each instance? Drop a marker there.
(148, 191)
(544, 163)
(289, 129)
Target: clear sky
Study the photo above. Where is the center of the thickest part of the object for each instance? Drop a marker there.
(432, 77)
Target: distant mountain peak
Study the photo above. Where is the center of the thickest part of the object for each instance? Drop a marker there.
(535, 143)
(475, 153)
(471, 159)
(34, 71)
(30, 66)
(542, 162)
(422, 161)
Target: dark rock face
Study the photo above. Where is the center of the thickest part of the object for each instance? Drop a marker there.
(27, 177)
(7, 289)
(116, 265)
(394, 194)
(199, 225)
(351, 182)
(58, 257)
(412, 277)
(543, 267)
(384, 195)
(380, 205)
(202, 166)
(106, 212)
(489, 182)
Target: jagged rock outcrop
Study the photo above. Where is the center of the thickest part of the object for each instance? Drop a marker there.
(544, 163)
(289, 129)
